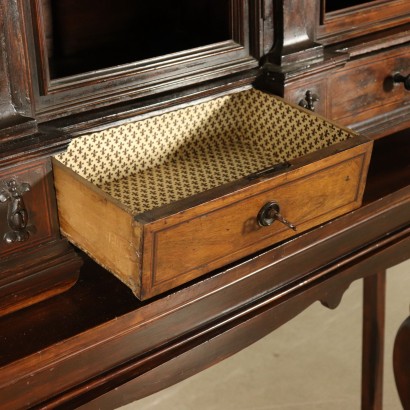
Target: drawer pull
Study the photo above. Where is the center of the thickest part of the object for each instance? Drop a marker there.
(270, 213)
(309, 101)
(17, 216)
(398, 78)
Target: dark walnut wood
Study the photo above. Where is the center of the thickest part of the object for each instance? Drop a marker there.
(95, 345)
(401, 359)
(294, 32)
(367, 91)
(368, 100)
(354, 85)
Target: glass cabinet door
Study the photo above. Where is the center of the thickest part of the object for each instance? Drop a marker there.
(334, 5)
(93, 34)
(88, 51)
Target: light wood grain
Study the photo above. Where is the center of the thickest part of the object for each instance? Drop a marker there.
(188, 244)
(98, 225)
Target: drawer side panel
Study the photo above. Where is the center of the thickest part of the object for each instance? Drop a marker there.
(99, 226)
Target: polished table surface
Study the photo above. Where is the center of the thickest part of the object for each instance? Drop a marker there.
(97, 346)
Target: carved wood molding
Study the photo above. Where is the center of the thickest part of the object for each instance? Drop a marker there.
(15, 101)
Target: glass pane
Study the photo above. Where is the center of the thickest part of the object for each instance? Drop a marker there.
(333, 5)
(89, 35)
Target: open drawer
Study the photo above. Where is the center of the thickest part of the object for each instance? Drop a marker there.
(163, 200)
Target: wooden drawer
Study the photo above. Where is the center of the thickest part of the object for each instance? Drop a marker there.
(166, 199)
(365, 90)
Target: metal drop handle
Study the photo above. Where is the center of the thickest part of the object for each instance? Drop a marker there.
(17, 215)
(270, 213)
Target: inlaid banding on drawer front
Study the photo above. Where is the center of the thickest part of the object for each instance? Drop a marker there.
(217, 237)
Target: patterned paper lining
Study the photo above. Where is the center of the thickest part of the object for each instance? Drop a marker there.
(159, 160)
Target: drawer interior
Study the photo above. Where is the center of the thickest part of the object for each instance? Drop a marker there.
(165, 158)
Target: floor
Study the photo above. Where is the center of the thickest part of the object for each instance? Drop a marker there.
(311, 363)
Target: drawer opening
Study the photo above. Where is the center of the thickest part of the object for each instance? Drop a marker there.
(162, 159)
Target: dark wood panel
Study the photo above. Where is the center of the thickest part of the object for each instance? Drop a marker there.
(333, 5)
(281, 305)
(37, 274)
(391, 153)
(96, 337)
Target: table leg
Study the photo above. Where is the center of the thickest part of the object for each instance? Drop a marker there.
(401, 363)
(374, 295)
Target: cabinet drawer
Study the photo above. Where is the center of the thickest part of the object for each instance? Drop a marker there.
(365, 88)
(166, 199)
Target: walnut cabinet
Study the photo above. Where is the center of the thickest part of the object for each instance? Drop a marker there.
(295, 185)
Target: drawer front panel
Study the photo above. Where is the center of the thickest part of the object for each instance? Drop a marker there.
(27, 207)
(365, 89)
(197, 242)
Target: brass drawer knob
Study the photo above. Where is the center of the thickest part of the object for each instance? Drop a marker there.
(398, 78)
(270, 213)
